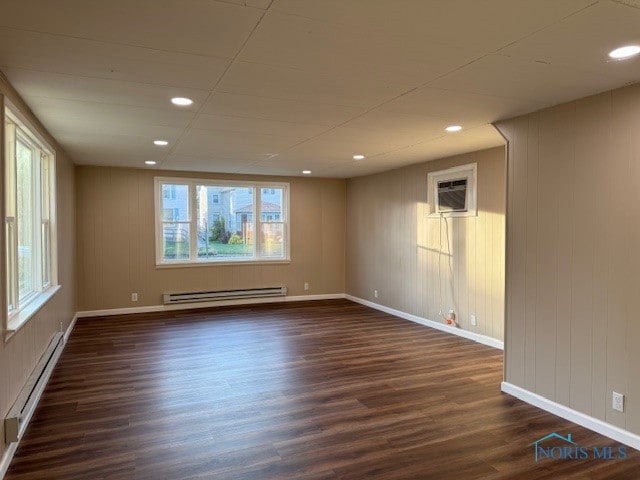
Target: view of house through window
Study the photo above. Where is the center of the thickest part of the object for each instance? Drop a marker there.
(203, 221)
(28, 218)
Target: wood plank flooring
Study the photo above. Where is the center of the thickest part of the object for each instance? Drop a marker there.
(313, 390)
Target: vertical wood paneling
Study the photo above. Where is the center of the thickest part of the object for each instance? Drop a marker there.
(19, 355)
(116, 209)
(621, 215)
(517, 238)
(387, 214)
(633, 325)
(558, 154)
(580, 330)
(530, 223)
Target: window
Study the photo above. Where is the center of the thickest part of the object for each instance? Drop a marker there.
(453, 191)
(208, 221)
(169, 193)
(29, 219)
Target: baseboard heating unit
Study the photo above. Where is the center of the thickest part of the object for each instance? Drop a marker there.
(18, 417)
(187, 297)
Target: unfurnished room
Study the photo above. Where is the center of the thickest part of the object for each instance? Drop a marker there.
(319, 239)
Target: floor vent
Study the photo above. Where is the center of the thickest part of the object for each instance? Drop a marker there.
(217, 295)
(18, 417)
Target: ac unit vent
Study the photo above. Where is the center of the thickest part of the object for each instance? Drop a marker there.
(452, 195)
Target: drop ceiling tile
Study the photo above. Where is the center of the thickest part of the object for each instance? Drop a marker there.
(232, 144)
(584, 40)
(263, 4)
(116, 145)
(503, 76)
(484, 26)
(280, 109)
(199, 27)
(88, 156)
(327, 150)
(312, 46)
(400, 128)
(271, 171)
(478, 138)
(361, 138)
(256, 125)
(86, 58)
(204, 164)
(292, 84)
(34, 84)
(458, 107)
(80, 116)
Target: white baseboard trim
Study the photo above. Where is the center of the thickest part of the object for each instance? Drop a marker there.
(485, 340)
(67, 333)
(194, 305)
(5, 461)
(615, 433)
(6, 458)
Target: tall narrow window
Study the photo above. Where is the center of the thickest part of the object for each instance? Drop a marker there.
(29, 202)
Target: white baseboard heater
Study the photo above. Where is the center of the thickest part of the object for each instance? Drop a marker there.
(18, 417)
(217, 295)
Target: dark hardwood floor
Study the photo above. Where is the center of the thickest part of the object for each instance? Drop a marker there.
(314, 390)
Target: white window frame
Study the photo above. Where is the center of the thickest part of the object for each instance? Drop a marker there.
(16, 127)
(468, 172)
(256, 195)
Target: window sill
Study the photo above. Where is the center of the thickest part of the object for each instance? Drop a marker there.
(470, 213)
(20, 319)
(280, 261)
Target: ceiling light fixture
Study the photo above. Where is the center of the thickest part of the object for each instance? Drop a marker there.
(181, 101)
(161, 143)
(149, 162)
(358, 157)
(453, 128)
(306, 172)
(624, 52)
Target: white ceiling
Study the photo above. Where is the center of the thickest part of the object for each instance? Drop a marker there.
(285, 85)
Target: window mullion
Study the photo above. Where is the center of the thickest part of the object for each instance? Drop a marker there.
(36, 229)
(193, 231)
(10, 215)
(257, 224)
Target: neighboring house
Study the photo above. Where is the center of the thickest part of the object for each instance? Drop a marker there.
(236, 206)
(233, 204)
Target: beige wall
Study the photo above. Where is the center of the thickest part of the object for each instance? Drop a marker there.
(19, 355)
(573, 267)
(116, 241)
(393, 247)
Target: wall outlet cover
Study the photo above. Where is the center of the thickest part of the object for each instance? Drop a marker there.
(617, 402)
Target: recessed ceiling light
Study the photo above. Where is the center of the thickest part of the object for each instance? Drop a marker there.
(161, 143)
(149, 162)
(453, 128)
(358, 157)
(182, 101)
(306, 172)
(624, 52)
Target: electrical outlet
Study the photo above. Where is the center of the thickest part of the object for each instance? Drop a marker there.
(617, 402)
(474, 320)
(375, 293)
(306, 285)
(134, 297)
